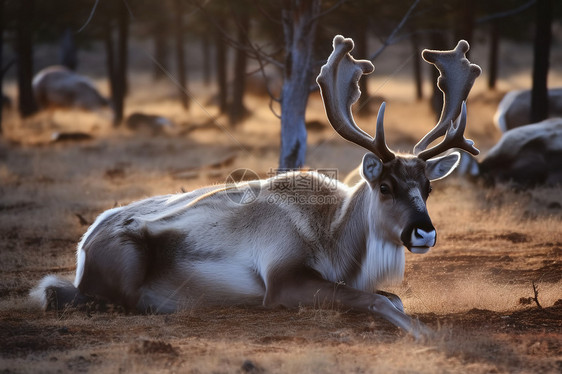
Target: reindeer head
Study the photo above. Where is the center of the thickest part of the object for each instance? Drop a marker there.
(400, 184)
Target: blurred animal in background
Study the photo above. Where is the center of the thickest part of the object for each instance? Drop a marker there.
(515, 108)
(524, 157)
(59, 87)
(528, 154)
(148, 123)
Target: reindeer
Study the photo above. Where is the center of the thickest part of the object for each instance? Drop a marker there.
(214, 246)
(525, 156)
(515, 108)
(60, 87)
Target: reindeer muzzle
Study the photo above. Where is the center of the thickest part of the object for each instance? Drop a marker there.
(419, 238)
(422, 240)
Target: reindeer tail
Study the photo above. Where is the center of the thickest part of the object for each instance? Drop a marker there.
(53, 292)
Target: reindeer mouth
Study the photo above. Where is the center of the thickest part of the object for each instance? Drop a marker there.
(419, 250)
(420, 241)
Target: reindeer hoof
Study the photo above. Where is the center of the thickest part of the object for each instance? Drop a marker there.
(394, 299)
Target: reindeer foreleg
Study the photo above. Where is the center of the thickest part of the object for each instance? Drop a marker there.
(305, 286)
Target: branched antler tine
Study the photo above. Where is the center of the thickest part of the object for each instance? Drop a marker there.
(454, 138)
(338, 81)
(457, 75)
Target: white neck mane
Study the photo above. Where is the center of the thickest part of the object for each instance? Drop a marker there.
(383, 261)
(383, 265)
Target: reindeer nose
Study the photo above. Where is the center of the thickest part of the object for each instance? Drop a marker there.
(422, 238)
(420, 235)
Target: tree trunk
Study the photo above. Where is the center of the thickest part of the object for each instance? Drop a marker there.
(160, 51)
(299, 28)
(26, 104)
(121, 63)
(206, 51)
(417, 66)
(1, 61)
(237, 109)
(180, 54)
(221, 66)
(110, 57)
(493, 54)
(68, 50)
(543, 35)
(117, 60)
(466, 22)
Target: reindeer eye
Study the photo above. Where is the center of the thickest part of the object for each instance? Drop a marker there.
(385, 190)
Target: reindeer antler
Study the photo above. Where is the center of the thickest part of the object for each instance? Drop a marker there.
(338, 81)
(455, 81)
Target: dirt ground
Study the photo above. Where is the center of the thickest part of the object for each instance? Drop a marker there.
(476, 288)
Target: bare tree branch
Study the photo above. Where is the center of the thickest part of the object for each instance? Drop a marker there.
(266, 14)
(264, 75)
(259, 57)
(129, 10)
(250, 49)
(536, 297)
(327, 11)
(506, 13)
(272, 109)
(417, 33)
(255, 52)
(390, 39)
(7, 67)
(90, 16)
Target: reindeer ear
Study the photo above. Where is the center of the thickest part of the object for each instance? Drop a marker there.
(439, 167)
(371, 169)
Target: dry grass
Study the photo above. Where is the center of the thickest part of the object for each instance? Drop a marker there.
(493, 244)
